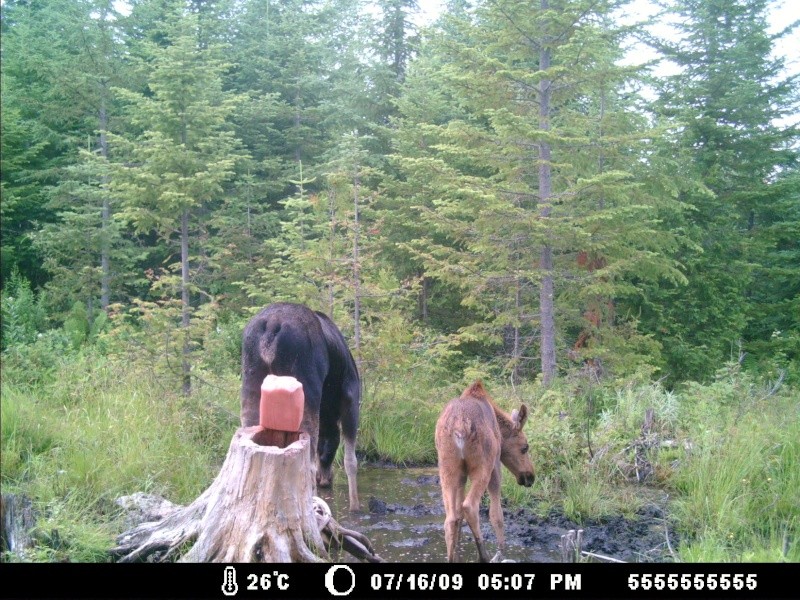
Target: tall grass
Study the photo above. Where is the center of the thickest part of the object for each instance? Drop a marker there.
(397, 430)
(739, 490)
(96, 431)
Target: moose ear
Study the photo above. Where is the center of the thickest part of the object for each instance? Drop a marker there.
(519, 416)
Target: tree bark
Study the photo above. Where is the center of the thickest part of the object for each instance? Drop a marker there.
(185, 305)
(17, 520)
(546, 291)
(356, 268)
(105, 250)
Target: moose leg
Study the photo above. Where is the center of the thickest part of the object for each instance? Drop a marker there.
(311, 421)
(351, 467)
(253, 373)
(471, 506)
(496, 512)
(350, 412)
(328, 445)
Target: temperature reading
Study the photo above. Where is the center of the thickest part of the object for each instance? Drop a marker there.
(267, 580)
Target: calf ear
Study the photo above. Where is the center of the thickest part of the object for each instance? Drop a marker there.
(519, 416)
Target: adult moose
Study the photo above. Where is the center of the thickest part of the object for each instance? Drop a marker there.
(292, 340)
(473, 437)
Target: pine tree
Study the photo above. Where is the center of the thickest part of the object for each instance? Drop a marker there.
(535, 173)
(173, 173)
(726, 101)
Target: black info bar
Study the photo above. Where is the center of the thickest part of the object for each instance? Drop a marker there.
(407, 580)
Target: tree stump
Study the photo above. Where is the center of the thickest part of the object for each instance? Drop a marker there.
(17, 520)
(258, 509)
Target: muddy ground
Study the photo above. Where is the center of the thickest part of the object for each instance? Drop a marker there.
(404, 519)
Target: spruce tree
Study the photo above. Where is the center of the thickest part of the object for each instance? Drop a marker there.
(58, 59)
(86, 251)
(532, 181)
(173, 173)
(726, 101)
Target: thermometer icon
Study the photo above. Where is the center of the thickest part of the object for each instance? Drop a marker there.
(229, 585)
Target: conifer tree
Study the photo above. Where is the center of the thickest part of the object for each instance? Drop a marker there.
(726, 100)
(773, 329)
(26, 153)
(534, 172)
(59, 60)
(174, 172)
(79, 247)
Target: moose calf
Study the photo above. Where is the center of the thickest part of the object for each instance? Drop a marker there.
(473, 436)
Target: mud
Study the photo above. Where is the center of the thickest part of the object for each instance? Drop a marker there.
(405, 519)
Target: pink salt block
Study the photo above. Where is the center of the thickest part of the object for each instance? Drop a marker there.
(282, 403)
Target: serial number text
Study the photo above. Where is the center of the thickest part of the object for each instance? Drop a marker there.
(696, 582)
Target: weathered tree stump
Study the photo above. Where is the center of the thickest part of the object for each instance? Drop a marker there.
(258, 509)
(17, 521)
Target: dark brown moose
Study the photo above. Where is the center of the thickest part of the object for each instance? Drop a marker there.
(473, 437)
(293, 340)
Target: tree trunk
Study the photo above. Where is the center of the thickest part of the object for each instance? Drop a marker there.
(105, 251)
(356, 269)
(546, 291)
(423, 296)
(331, 249)
(185, 306)
(260, 508)
(516, 353)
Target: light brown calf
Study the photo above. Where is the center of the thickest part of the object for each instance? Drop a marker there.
(473, 437)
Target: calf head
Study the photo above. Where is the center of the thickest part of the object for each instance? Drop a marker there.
(514, 447)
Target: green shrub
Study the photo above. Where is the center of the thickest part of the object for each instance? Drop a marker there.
(23, 314)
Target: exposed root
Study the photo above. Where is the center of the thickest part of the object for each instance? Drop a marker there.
(338, 537)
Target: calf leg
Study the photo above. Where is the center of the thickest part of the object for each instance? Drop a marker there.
(471, 507)
(453, 497)
(496, 511)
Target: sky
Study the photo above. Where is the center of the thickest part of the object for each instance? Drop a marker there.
(782, 13)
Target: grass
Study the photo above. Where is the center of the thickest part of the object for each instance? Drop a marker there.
(97, 431)
(397, 431)
(90, 429)
(742, 492)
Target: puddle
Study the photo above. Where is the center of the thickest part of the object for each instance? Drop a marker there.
(403, 517)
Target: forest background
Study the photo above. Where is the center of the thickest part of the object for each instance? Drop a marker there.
(498, 194)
